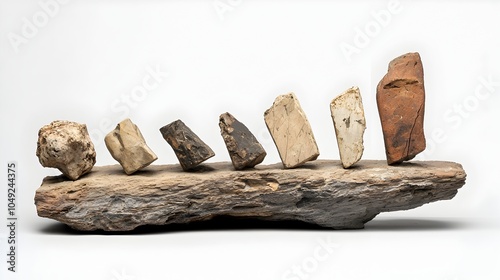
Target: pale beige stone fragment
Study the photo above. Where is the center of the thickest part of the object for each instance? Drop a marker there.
(127, 145)
(291, 131)
(350, 124)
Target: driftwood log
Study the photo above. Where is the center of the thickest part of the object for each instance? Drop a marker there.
(319, 192)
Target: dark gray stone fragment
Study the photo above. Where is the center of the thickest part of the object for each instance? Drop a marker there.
(188, 147)
(244, 149)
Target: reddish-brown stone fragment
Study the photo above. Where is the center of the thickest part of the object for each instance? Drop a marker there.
(401, 102)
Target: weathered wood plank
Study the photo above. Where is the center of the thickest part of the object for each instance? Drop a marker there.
(319, 192)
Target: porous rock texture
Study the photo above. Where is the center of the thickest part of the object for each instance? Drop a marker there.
(401, 104)
(66, 146)
(320, 192)
(349, 121)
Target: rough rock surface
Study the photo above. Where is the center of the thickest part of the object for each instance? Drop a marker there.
(127, 145)
(291, 131)
(66, 146)
(188, 147)
(350, 124)
(320, 192)
(401, 103)
(244, 149)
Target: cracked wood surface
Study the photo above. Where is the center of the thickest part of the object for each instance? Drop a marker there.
(319, 192)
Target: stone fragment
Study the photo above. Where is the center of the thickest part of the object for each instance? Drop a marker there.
(325, 194)
(127, 146)
(401, 103)
(243, 147)
(188, 147)
(350, 124)
(291, 131)
(66, 146)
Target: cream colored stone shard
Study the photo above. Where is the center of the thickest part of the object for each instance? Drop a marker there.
(66, 146)
(349, 122)
(127, 145)
(291, 131)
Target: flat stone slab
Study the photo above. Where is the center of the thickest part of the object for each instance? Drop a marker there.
(320, 192)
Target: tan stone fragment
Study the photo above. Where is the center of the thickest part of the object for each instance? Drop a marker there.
(127, 145)
(291, 131)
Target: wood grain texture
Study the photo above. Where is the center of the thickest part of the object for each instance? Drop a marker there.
(319, 192)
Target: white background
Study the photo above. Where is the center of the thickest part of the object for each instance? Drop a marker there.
(87, 56)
